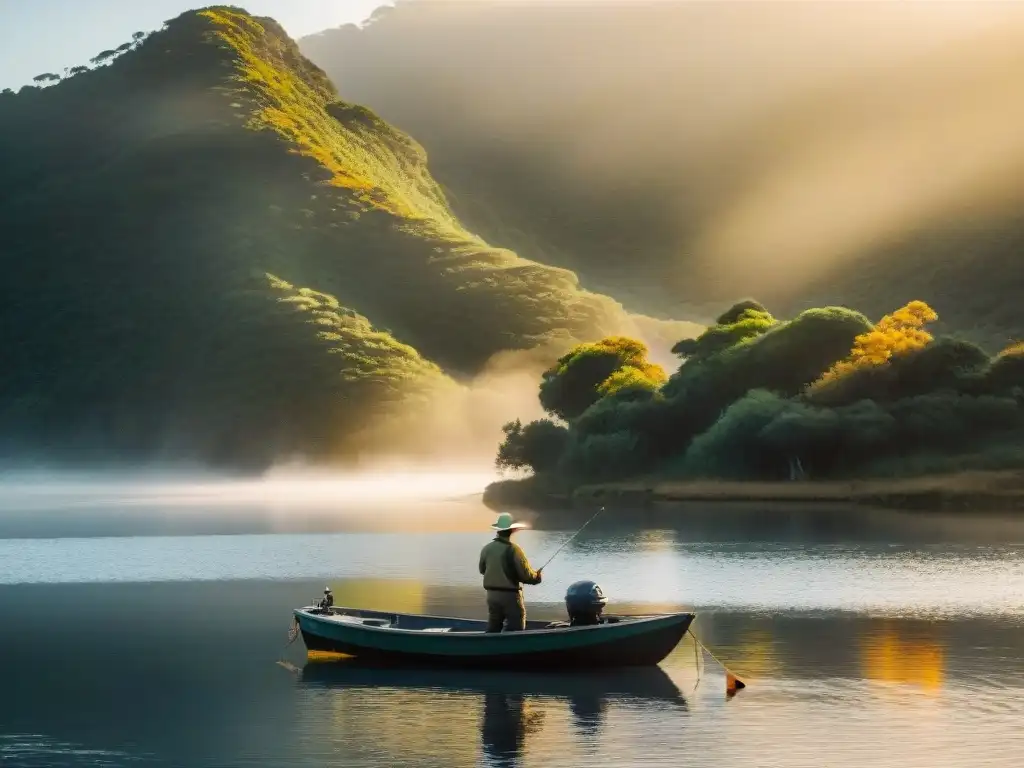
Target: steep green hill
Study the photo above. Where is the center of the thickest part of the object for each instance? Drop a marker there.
(158, 211)
(692, 154)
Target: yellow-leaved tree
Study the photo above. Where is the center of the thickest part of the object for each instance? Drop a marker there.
(616, 365)
(895, 334)
(1016, 349)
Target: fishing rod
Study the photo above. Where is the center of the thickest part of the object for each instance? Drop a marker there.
(732, 682)
(580, 530)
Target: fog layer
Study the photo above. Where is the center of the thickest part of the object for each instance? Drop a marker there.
(697, 152)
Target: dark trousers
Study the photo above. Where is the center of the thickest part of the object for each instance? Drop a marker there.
(505, 609)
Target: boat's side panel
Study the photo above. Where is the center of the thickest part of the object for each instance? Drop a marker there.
(478, 643)
(638, 643)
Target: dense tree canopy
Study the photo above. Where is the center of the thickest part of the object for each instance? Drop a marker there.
(826, 394)
(537, 445)
(1006, 372)
(894, 335)
(746, 320)
(588, 372)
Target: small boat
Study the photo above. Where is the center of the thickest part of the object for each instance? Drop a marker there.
(402, 638)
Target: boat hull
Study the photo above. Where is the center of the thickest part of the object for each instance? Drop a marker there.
(631, 642)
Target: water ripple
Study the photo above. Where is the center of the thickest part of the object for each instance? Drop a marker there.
(934, 581)
(32, 750)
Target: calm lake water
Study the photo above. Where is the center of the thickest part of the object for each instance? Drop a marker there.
(141, 625)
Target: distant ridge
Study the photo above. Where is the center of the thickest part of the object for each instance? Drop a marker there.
(862, 154)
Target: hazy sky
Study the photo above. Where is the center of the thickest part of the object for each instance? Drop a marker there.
(39, 36)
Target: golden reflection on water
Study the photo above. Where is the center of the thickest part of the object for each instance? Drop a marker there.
(459, 718)
(655, 541)
(890, 657)
(904, 652)
(398, 595)
(451, 727)
(749, 651)
(326, 656)
(416, 725)
(754, 656)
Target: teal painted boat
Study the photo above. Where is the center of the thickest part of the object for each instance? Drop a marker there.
(401, 638)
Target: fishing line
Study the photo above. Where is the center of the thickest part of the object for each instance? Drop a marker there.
(571, 538)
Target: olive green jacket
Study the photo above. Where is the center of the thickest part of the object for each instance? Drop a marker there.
(504, 566)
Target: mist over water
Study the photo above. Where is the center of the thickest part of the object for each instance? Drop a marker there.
(401, 495)
(386, 484)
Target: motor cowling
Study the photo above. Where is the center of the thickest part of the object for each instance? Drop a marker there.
(584, 602)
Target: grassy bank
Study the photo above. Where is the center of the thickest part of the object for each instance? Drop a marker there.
(966, 491)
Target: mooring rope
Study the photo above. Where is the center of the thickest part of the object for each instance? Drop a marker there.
(293, 631)
(696, 659)
(293, 634)
(732, 682)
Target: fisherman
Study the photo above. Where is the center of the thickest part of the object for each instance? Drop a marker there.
(328, 601)
(505, 569)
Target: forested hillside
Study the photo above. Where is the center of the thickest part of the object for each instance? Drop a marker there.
(210, 256)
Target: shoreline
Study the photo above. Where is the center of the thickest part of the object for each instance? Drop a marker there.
(967, 491)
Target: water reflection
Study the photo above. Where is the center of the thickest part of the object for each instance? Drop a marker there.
(513, 710)
(508, 718)
(400, 595)
(874, 578)
(889, 655)
(588, 714)
(926, 655)
(183, 676)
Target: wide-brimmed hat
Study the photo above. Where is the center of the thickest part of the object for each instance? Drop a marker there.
(505, 523)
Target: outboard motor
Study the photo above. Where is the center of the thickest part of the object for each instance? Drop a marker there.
(584, 602)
